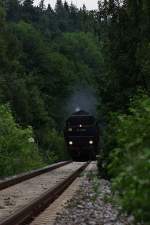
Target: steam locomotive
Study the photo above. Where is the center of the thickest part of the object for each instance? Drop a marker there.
(82, 136)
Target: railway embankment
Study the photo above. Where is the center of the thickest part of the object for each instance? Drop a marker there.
(92, 204)
(70, 194)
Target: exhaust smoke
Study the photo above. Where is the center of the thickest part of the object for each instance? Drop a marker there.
(82, 98)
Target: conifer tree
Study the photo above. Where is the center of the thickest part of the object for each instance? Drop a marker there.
(2, 15)
(28, 3)
(49, 9)
(13, 9)
(59, 7)
(66, 7)
(42, 5)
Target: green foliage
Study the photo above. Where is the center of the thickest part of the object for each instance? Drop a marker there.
(108, 142)
(2, 17)
(55, 149)
(129, 158)
(39, 67)
(44, 54)
(83, 52)
(18, 152)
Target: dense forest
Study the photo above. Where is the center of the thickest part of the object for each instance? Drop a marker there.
(45, 54)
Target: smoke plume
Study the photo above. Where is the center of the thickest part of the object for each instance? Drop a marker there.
(83, 98)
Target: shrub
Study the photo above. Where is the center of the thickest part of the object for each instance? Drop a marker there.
(18, 152)
(55, 147)
(108, 142)
(128, 163)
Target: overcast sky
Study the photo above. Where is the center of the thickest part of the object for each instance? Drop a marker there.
(90, 4)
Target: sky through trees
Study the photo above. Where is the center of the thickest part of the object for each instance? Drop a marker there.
(90, 4)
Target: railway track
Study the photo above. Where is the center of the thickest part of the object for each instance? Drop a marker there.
(23, 201)
(25, 176)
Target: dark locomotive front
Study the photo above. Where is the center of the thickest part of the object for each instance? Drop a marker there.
(82, 136)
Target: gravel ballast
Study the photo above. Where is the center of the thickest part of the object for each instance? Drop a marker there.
(92, 205)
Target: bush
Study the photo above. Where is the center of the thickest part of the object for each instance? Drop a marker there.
(18, 152)
(108, 142)
(128, 163)
(55, 147)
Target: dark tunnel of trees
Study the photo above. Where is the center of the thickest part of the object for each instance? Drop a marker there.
(44, 54)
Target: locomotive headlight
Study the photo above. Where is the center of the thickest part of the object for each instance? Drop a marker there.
(70, 129)
(70, 142)
(91, 142)
(80, 125)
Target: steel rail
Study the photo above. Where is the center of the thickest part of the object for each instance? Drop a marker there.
(36, 206)
(25, 176)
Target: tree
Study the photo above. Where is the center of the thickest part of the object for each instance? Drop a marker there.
(66, 7)
(42, 5)
(2, 16)
(13, 10)
(74, 18)
(18, 150)
(49, 8)
(28, 3)
(59, 7)
(29, 12)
